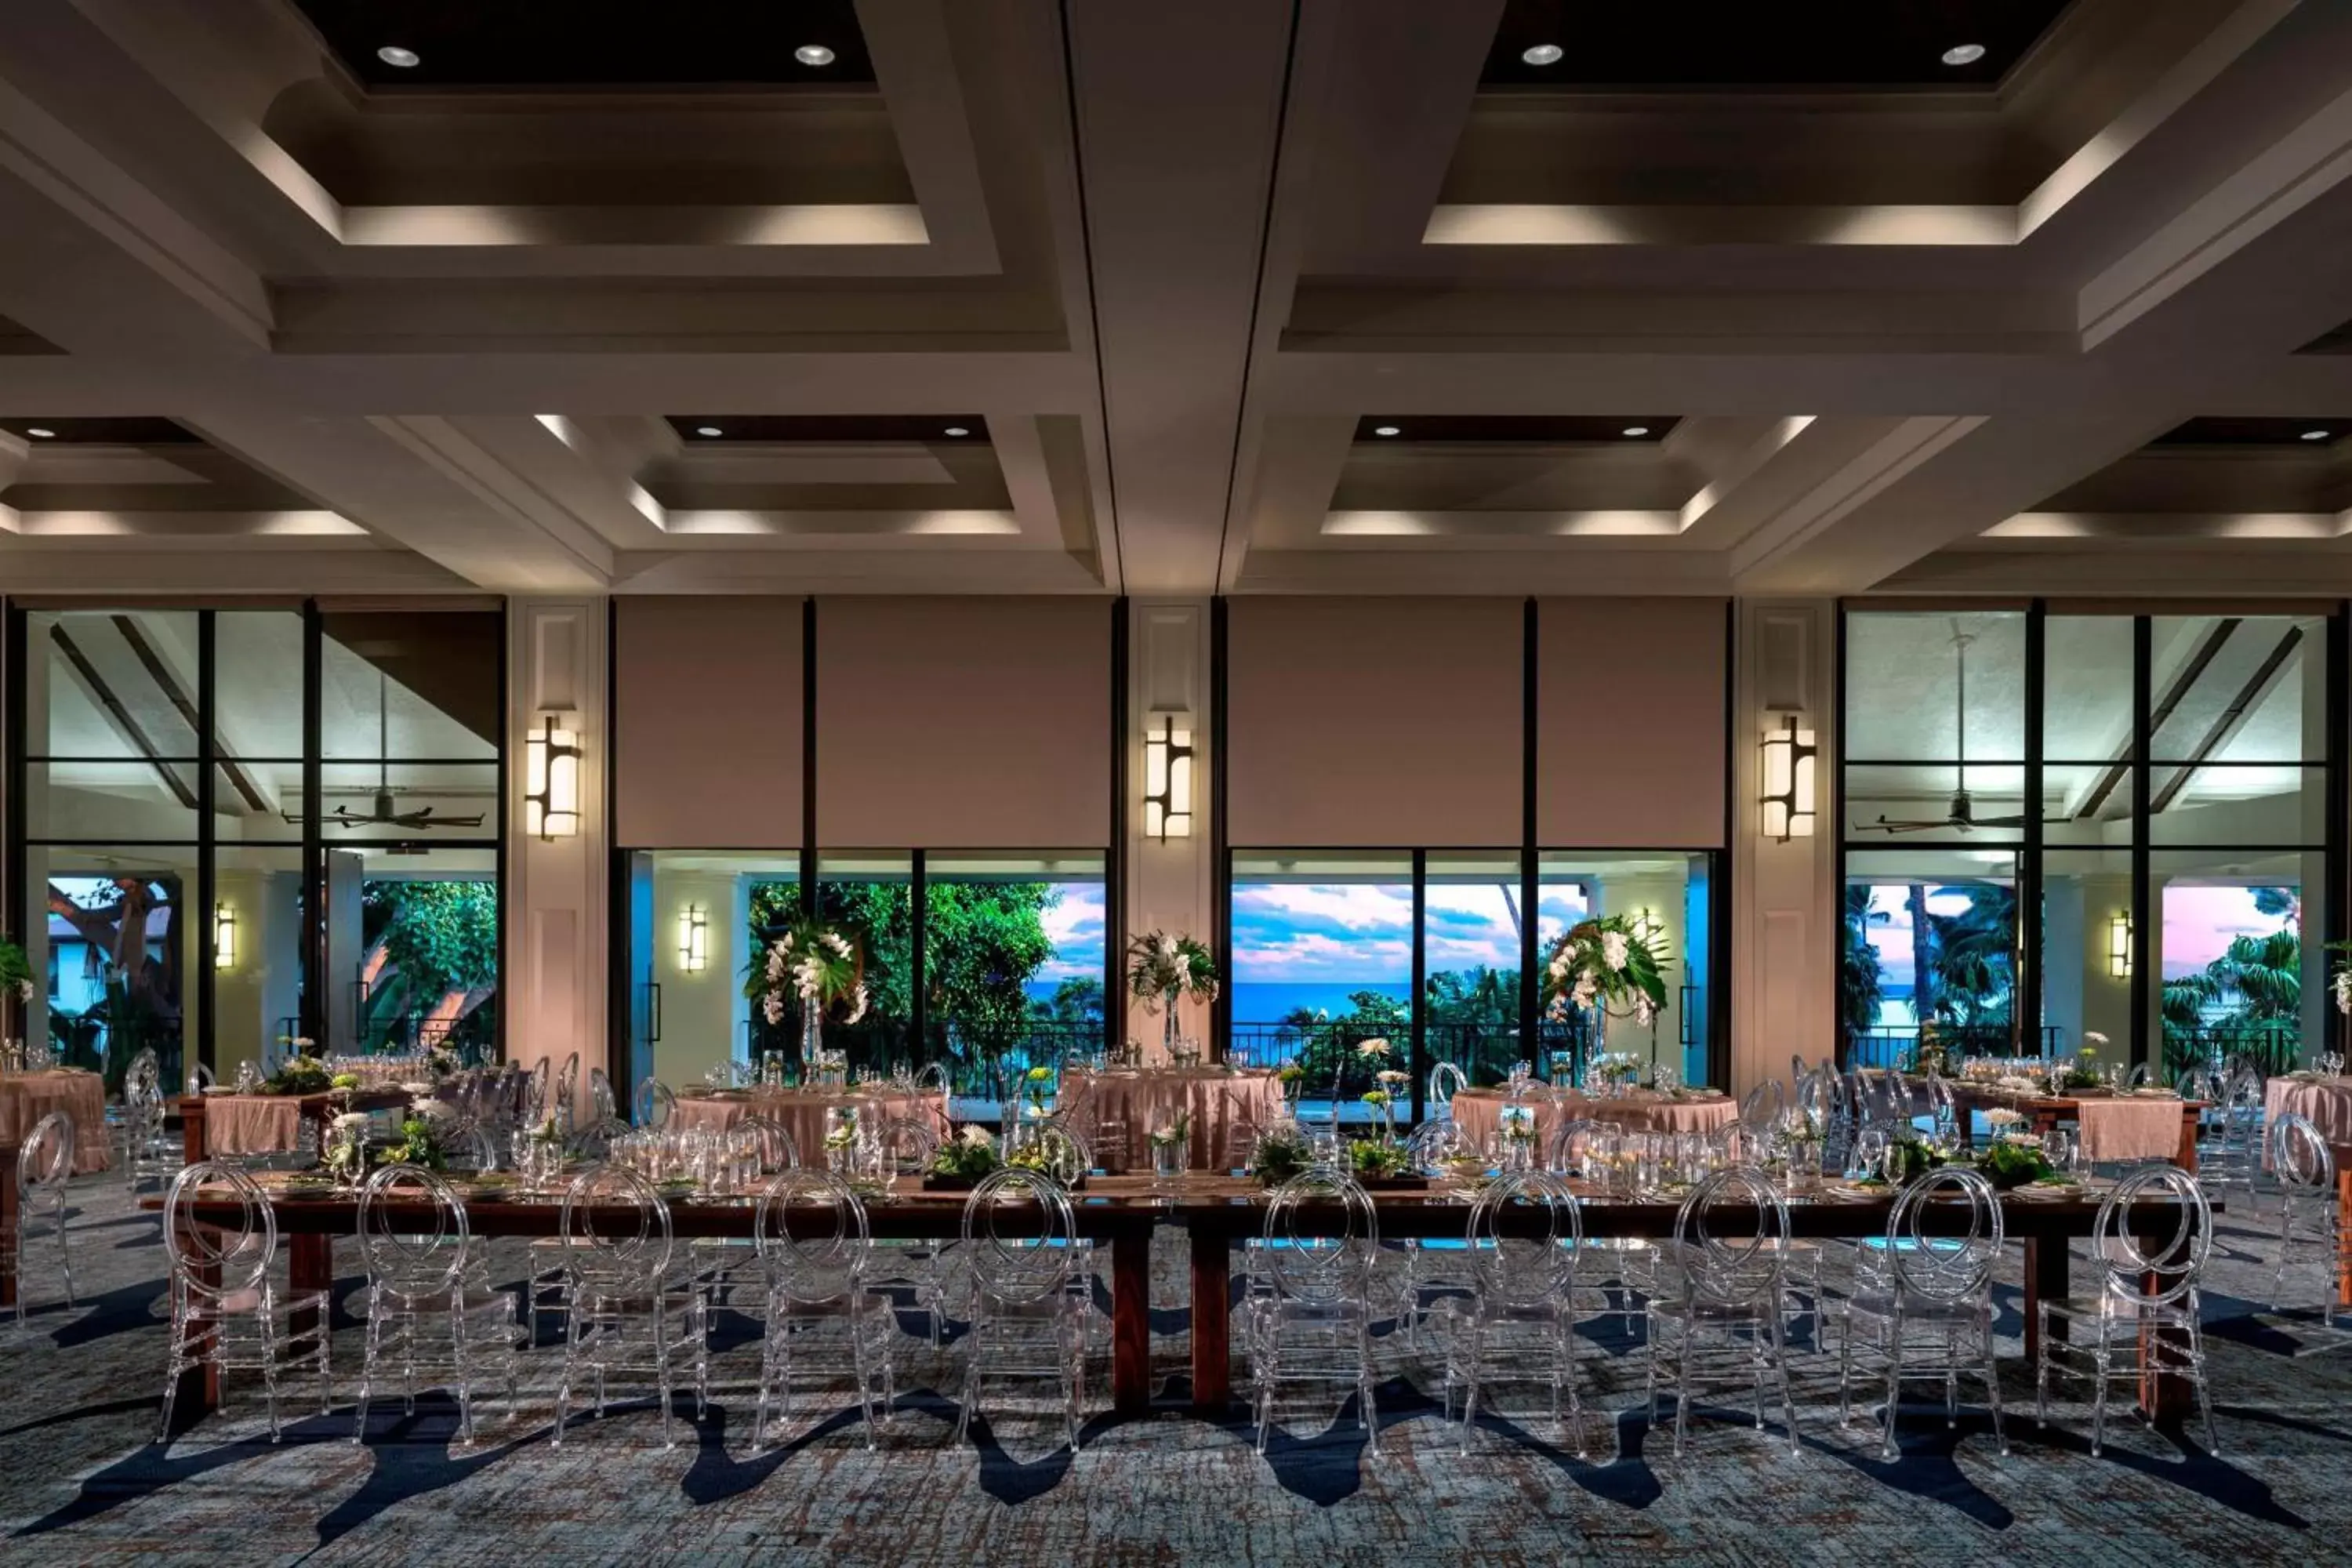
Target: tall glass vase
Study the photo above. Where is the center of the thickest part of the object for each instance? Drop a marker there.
(811, 1040)
(1170, 1034)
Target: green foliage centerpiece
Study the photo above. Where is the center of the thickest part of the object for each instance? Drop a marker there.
(965, 1160)
(1609, 966)
(1282, 1153)
(1163, 969)
(812, 962)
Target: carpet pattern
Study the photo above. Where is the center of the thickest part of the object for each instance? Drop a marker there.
(87, 1483)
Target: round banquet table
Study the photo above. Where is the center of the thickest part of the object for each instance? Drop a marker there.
(801, 1111)
(1478, 1112)
(1143, 1100)
(26, 1097)
(2327, 1102)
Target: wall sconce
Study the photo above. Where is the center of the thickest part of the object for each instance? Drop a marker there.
(2119, 945)
(552, 780)
(224, 937)
(1167, 781)
(1788, 796)
(693, 940)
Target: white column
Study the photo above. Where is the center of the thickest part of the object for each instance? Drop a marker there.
(552, 981)
(1786, 904)
(1171, 886)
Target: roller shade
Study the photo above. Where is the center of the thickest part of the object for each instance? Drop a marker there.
(1371, 722)
(1646, 769)
(965, 723)
(707, 723)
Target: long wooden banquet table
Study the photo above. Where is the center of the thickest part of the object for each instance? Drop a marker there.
(2044, 1112)
(321, 1107)
(1217, 1213)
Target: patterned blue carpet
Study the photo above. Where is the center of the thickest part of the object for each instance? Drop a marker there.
(87, 1483)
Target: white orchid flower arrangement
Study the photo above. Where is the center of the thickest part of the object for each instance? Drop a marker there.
(1608, 964)
(813, 962)
(1162, 967)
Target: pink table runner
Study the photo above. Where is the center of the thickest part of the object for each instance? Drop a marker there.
(1220, 1104)
(2327, 1102)
(26, 1097)
(252, 1123)
(1478, 1112)
(801, 1111)
(2129, 1127)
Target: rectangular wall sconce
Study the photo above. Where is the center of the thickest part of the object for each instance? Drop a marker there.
(2119, 945)
(1168, 780)
(552, 780)
(224, 937)
(693, 940)
(1788, 795)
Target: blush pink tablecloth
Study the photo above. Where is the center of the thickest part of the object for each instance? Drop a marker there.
(1143, 1100)
(2130, 1127)
(1478, 1112)
(26, 1097)
(2327, 1102)
(252, 1123)
(801, 1111)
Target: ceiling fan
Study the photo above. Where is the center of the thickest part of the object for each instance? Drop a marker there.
(1960, 815)
(382, 813)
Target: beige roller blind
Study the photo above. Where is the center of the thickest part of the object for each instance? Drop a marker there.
(1646, 769)
(967, 723)
(707, 723)
(1373, 723)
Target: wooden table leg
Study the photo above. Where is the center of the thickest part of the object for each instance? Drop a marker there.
(1130, 1322)
(2343, 1229)
(11, 1228)
(2163, 1395)
(192, 1129)
(1212, 1273)
(2046, 1259)
(2186, 1155)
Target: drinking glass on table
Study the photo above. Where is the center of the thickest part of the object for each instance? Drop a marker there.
(1870, 1150)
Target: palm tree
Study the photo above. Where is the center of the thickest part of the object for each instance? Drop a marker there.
(1860, 980)
(1923, 968)
(1975, 959)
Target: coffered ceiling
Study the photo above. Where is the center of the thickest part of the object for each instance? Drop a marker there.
(1969, 295)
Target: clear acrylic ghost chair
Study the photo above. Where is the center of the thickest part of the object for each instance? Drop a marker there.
(2304, 1168)
(227, 1311)
(1617, 1270)
(1445, 1080)
(428, 1303)
(2147, 1316)
(1943, 1108)
(1943, 1241)
(567, 1091)
(45, 1164)
(1722, 1299)
(593, 1145)
(145, 1150)
(2232, 1154)
(200, 1077)
(1438, 1148)
(1309, 1316)
(654, 1104)
(1762, 1106)
(815, 1245)
(623, 1311)
(915, 1265)
(467, 1148)
(1524, 1238)
(1026, 1322)
(601, 1103)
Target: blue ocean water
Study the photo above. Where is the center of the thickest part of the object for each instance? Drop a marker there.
(1270, 1001)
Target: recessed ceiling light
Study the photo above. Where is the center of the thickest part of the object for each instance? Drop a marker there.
(1637, 429)
(394, 54)
(1542, 55)
(958, 430)
(2314, 435)
(707, 430)
(39, 433)
(1964, 54)
(813, 55)
(1385, 430)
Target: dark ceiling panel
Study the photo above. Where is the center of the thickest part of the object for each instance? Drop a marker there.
(594, 43)
(830, 427)
(2255, 433)
(1715, 45)
(108, 432)
(1541, 429)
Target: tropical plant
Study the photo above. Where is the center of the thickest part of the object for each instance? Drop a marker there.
(1610, 964)
(1162, 966)
(2248, 1001)
(1972, 956)
(1861, 977)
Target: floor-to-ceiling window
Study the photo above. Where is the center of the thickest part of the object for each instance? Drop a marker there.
(1323, 962)
(2071, 828)
(1670, 897)
(240, 827)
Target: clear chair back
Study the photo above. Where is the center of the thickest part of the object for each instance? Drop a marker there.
(2300, 1157)
(774, 1141)
(1731, 1234)
(1018, 1230)
(1445, 1080)
(812, 1236)
(1764, 1104)
(1524, 1236)
(413, 1235)
(46, 1160)
(653, 1103)
(1945, 1236)
(2147, 1271)
(613, 1218)
(601, 1104)
(1321, 1234)
(567, 1083)
(237, 1254)
(1063, 1147)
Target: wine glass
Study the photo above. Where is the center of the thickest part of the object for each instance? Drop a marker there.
(1870, 1152)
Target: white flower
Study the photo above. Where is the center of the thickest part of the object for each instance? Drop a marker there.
(1643, 1009)
(1559, 967)
(975, 1136)
(350, 1122)
(784, 943)
(1614, 948)
(2002, 1116)
(1168, 949)
(857, 1005)
(1370, 1049)
(24, 991)
(2093, 1037)
(772, 1006)
(431, 1109)
(1390, 1075)
(2344, 991)
(836, 940)
(1587, 989)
